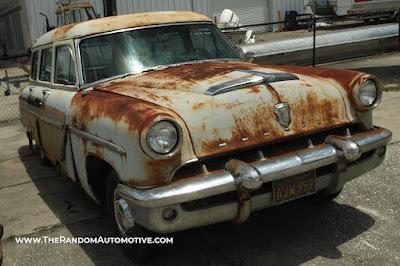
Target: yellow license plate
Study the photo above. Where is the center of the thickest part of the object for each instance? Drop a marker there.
(293, 187)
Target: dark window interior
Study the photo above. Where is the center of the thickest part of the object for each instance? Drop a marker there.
(34, 67)
(45, 65)
(65, 66)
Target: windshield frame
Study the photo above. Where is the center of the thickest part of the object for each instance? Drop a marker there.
(84, 85)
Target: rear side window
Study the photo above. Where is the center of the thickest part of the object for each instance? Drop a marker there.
(34, 66)
(45, 65)
(65, 66)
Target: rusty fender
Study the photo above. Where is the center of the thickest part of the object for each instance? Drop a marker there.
(119, 120)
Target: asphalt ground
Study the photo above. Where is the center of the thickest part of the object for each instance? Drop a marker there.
(360, 227)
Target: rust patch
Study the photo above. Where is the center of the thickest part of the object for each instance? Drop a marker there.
(61, 32)
(112, 23)
(347, 79)
(194, 73)
(198, 106)
(254, 90)
(248, 132)
(97, 104)
(136, 114)
(175, 78)
(158, 171)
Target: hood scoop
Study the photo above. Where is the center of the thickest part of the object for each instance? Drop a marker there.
(256, 78)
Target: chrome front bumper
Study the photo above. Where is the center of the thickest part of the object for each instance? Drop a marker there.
(148, 205)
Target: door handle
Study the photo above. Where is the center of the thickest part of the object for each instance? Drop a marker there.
(38, 102)
(34, 101)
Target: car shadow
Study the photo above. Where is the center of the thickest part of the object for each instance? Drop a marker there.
(290, 234)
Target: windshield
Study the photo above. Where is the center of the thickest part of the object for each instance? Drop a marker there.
(133, 51)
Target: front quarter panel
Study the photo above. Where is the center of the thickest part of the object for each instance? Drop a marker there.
(119, 120)
(345, 81)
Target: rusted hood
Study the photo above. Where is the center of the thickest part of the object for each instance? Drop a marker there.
(244, 117)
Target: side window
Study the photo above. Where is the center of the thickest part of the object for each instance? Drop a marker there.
(45, 65)
(34, 66)
(65, 66)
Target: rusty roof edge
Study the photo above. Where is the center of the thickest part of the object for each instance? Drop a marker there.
(113, 23)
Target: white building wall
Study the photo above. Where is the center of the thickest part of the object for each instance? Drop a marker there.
(137, 6)
(257, 11)
(249, 12)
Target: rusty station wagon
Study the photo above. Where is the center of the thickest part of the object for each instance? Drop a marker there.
(157, 116)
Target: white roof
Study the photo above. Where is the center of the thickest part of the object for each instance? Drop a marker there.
(108, 24)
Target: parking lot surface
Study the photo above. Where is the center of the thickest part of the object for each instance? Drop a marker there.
(360, 227)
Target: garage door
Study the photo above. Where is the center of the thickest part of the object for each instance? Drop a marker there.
(249, 12)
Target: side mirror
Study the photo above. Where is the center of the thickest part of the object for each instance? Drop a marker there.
(249, 57)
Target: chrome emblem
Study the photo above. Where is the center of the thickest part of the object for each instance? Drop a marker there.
(282, 111)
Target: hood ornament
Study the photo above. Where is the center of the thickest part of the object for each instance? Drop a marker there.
(282, 111)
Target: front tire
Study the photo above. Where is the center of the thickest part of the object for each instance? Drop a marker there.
(138, 253)
(43, 159)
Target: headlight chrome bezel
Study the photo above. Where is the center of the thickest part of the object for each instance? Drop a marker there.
(146, 144)
(356, 95)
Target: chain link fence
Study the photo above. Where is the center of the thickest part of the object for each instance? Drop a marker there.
(305, 40)
(13, 77)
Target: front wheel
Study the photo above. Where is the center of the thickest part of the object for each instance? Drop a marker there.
(123, 223)
(1, 250)
(43, 159)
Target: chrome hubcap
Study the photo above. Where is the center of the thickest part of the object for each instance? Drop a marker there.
(123, 215)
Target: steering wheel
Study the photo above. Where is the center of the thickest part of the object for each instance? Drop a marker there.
(193, 54)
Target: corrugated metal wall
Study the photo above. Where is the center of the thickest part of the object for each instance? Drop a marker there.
(14, 33)
(136, 6)
(48, 7)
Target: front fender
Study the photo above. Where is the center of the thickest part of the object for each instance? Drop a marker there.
(109, 126)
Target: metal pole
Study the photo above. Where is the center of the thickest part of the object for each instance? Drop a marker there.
(398, 21)
(314, 40)
(8, 91)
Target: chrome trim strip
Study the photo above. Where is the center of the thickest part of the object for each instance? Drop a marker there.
(280, 167)
(258, 78)
(97, 140)
(369, 142)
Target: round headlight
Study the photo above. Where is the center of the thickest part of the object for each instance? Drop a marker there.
(162, 137)
(368, 93)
